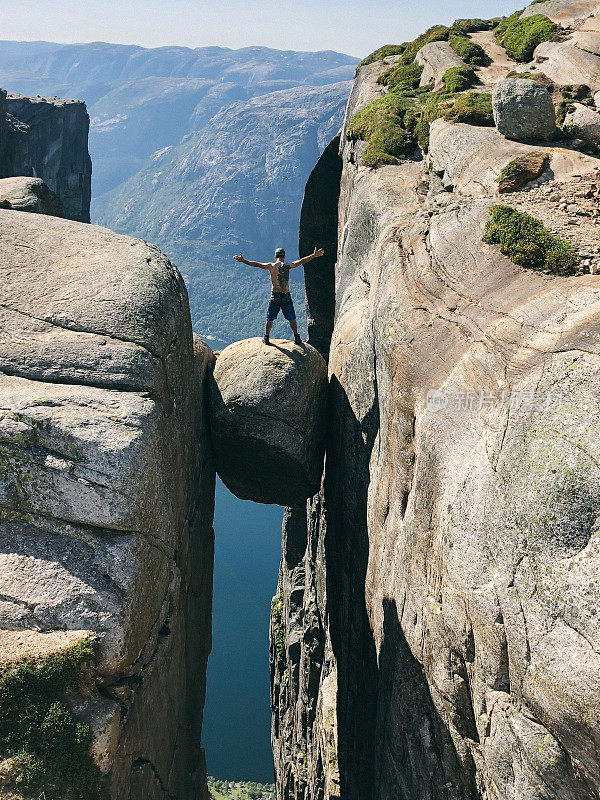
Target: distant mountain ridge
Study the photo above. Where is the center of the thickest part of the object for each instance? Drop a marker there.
(179, 135)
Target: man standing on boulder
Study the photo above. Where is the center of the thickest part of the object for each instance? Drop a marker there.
(281, 299)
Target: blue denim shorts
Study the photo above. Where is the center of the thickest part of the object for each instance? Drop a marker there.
(281, 301)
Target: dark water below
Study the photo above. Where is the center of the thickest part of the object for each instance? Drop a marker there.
(237, 715)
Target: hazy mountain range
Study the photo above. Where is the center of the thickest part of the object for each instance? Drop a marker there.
(202, 151)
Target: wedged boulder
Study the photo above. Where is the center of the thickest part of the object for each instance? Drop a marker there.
(523, 110)
(268, 420)
(583, 123)
(436, 58)
(29, 194)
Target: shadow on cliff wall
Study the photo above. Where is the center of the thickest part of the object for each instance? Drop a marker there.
(413, 752)
(392, 742)
(349, 447)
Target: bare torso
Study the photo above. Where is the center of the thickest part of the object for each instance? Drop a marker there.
(280, 276)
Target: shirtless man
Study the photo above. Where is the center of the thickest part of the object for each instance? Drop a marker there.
(281, 299)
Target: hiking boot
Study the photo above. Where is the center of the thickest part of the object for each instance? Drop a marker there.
(297, 339)
(266, 339)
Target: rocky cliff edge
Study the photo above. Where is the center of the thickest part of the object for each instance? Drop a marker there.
(106, 499)
(435, 631)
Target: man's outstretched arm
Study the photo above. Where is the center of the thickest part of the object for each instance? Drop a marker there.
(316, 254)
(243, 260)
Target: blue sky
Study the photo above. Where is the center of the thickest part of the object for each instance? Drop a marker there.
(351, 26)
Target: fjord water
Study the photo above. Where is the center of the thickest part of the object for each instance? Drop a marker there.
(237, 717)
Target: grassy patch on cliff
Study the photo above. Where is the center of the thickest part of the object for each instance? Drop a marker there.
(394, 124)
(520, 37)
(383, 52)
(44, 751)
(382, 125)
(472, 108)
(464, 48)
(404, 76)
(526, 241)
(458, 79)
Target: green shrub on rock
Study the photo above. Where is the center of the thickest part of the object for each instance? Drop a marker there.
(472, 108)
(526, 242)
(438, 33)
(475, 25)
(470, 52)
(383, 52)
(457, 79)
(44, 751)
(381, 124)
(520, 37)
(404, 76)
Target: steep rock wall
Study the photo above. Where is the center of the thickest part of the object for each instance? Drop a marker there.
(435, 630)
(48, 138)
(107, 488)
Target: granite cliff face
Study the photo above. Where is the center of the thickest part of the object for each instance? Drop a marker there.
(435, 631)
(106, 503)
(47, 138)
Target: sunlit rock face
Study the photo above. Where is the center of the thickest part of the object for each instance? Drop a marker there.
(268, 420)
(435, 630)
(29, 194)
(107, 487)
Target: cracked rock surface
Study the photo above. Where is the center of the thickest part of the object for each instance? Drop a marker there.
(107, 488)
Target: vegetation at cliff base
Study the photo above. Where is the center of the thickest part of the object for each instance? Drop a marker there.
(520, 37)
(236, 790)
(44, 751)
(526, 242)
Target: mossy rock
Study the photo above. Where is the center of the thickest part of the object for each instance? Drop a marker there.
(465, 26)
(526, 242)
(520, 37)
(522, 170)
(576, 93)
(458, 79)
(44, 751)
